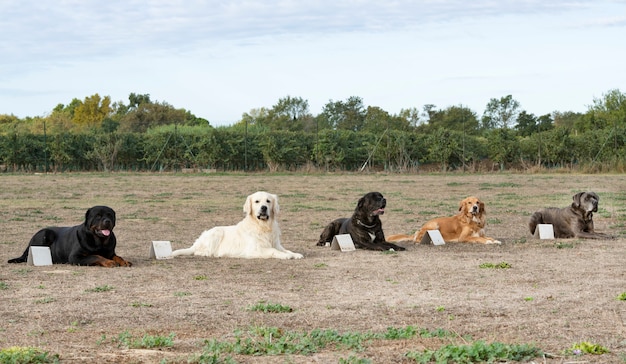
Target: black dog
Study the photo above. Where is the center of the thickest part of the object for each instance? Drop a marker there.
(92, 243)
(574, 221)
(364, 227)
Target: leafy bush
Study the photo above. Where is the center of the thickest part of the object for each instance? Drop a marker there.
(587, 348)
(26, 355)
(477, 352)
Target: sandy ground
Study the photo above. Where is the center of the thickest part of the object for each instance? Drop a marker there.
(555, 294)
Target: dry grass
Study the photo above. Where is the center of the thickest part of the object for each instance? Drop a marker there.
(553, 295)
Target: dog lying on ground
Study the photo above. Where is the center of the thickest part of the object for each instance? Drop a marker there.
(468, 226)
(256, 236)
(574, 221)
(91, 243)
(364, 227)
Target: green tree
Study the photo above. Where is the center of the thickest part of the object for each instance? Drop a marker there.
(609, 111)
(457, 118)
(503, 146)
(348, 115)
(460, 118)
(284, 149)
(376, 120)
(527, 124)
(145, 115)
(568, 120)
(255, 119)
(500, 113)
(290, 113)
(411, 116)
(442, 146)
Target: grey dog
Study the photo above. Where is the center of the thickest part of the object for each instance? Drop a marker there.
(574, 221)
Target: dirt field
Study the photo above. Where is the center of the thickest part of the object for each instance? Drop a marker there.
(555, 293)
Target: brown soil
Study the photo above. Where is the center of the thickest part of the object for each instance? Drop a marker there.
(556, 293)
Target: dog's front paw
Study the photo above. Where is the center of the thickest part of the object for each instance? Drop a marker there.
(494, 242)
(121, 262)
(296, 256)
(109, 264)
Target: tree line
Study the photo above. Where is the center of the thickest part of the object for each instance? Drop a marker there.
(146, 135)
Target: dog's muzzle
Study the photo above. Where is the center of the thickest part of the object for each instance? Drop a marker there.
(263, 214)
(381, 209)
(104, 229)
(475, 209)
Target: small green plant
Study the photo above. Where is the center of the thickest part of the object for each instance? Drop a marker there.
(141, 304)
(73, 326)
(45, 300)
(477, 352)
(528, 299)
(320, 265)
(394, 333)
(104, 288)
(26, 355)
(200, 278)
(3, 286)
(275, 341)
(182, 294)
(501, 265)
(389, 252)
(149, 341)
(585, 347)
(440, 308)
(22, 271)
(354, 360)
(622, 296)
(270, 307)
(561, 245)
(126, 339)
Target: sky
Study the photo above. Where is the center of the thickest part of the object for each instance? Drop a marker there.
(221, 59)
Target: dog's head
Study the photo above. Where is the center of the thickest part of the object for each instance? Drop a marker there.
(472, 206)
(586, 201)
(261, 205)
(100, 220)
(373, 203)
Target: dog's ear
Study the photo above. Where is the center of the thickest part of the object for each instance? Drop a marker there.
(461, 205)
(481, 206)
(247, 206)
(576, 199)
(359, 204)
(275, 206)
(87, 216)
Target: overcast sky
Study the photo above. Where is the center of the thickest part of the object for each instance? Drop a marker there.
(220, 59)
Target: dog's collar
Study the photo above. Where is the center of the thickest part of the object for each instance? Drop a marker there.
(367, 226)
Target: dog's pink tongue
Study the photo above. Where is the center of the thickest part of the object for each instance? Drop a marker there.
(106, 232)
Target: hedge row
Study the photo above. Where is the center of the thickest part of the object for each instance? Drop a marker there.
(230, 150)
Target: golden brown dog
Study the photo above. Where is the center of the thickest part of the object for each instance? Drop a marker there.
(468, 226)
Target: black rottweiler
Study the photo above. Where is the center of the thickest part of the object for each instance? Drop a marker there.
(91, 243)
(364, 227)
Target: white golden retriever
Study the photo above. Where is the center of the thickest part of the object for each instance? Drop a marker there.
(256, 236)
